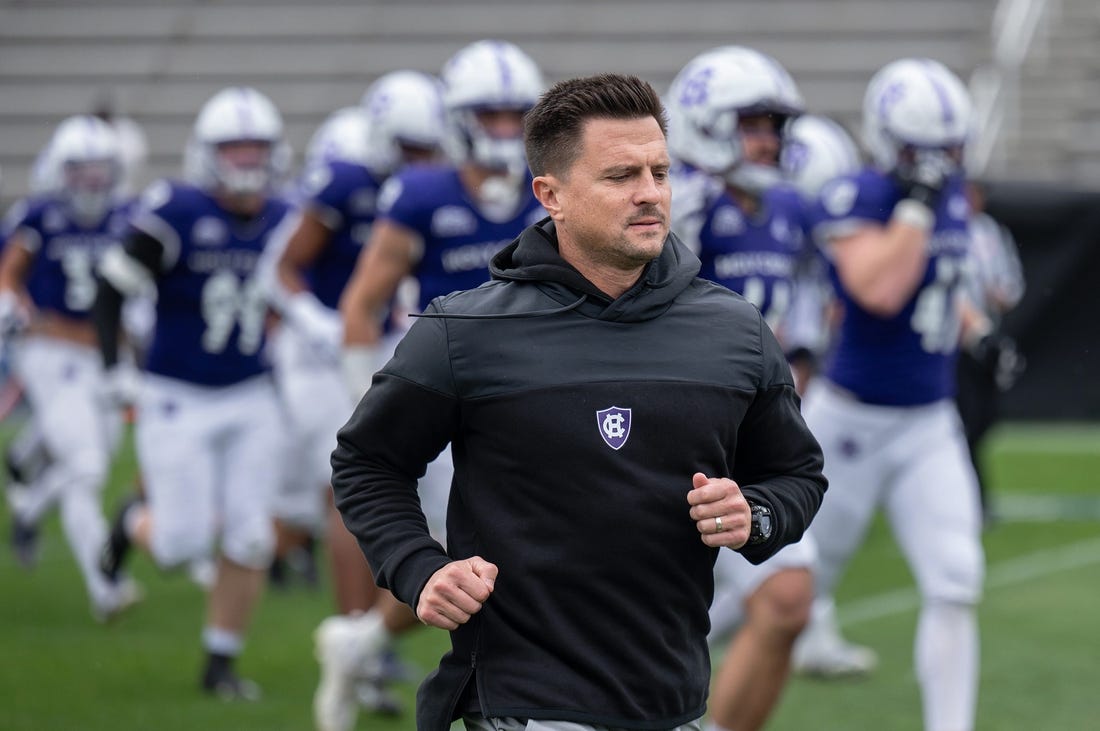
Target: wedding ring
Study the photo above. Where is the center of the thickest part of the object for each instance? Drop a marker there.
(718, 524)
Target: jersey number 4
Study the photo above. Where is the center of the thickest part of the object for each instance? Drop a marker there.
(936, 313)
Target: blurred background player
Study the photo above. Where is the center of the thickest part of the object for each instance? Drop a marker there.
(816, 149)
(441, 225)
(729, 110)
(401, 121)
(883, 409)
(301, 351)
(47, 288)
(208, 421)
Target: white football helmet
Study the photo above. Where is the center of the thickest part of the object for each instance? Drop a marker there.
(709, 96)
(342, 136)
(404, 111)
(237, 114)
(83, 162)
(914, 102)
(815, 150)
(490, 75)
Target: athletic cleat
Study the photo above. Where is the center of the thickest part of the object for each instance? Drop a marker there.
(374, 697)
(121, 595)
(348, 650)
(828, 656)
(228, 686)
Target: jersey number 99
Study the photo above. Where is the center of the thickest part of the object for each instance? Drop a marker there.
(226, 302)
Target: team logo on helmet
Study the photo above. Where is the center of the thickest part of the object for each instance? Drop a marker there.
(614, 424)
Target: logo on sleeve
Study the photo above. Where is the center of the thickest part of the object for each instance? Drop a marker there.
(838, 197)
(614, 424)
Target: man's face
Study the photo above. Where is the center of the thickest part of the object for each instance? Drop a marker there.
(613, 203)
(760, 139)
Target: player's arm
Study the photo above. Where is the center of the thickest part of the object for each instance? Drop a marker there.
(386, 259)
(307, 239)
(15, 263)
(881, 267)
(125, 271)
(294, 245)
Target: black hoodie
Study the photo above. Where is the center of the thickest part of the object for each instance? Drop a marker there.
(599, 612)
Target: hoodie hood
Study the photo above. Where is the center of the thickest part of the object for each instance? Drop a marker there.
(534, 258)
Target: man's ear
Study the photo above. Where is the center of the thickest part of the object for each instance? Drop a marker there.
(545, 188)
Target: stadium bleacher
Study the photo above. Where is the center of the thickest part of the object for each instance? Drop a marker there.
(160, 62)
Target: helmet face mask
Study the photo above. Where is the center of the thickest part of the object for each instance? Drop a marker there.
(482, 82)
(85, 163)
(915, 104)
(237, 146)
(728, 111)
(244, 166)
(495, 138)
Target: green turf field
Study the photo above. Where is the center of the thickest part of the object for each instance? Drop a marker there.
(1040, 625)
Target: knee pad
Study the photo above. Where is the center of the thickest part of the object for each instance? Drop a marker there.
(173, 546)
(86, 469)
(959, 581)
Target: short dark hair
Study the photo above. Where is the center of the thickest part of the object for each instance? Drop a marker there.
(552, 128)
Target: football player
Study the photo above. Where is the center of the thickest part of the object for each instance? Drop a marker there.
(401, 121)
(729, 109)
(47, 288)
(440, 224)
(208, 421)
(895, 235)
(818, 150)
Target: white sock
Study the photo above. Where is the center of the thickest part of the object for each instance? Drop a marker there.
(947, 665)
(218, 641)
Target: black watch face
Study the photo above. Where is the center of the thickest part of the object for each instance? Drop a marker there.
(761, 524)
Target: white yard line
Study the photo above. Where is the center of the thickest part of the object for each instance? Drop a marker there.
(1036, 507)
(1004, 574)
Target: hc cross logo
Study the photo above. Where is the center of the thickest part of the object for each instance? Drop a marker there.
(614, 425)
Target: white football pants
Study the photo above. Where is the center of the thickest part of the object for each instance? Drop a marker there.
(211, 463)
(64, 385)
(913, 462)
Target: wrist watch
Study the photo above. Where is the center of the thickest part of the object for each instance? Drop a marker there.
(761, 524)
